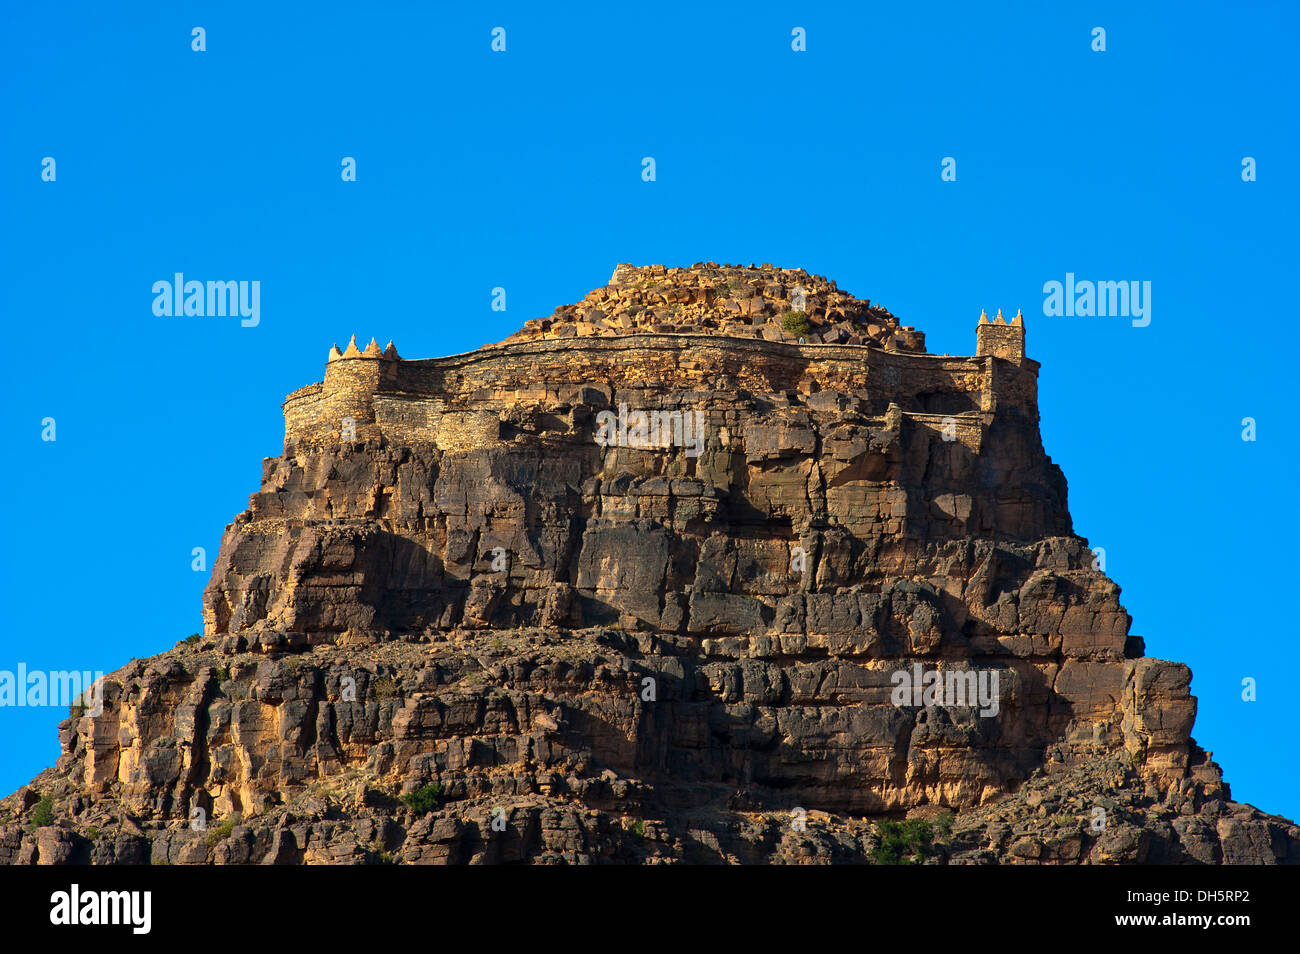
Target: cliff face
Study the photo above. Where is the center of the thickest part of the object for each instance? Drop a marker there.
(628, 593)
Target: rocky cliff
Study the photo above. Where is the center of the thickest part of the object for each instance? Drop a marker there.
(682, 573)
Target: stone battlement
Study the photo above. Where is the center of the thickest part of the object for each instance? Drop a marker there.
(1000, 339)
(371, 393)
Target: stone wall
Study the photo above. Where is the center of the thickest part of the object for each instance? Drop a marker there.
(405, 401)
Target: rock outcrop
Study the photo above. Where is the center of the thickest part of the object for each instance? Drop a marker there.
(758, 301)
(651, 582)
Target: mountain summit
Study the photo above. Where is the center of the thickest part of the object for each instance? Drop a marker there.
(755, 301)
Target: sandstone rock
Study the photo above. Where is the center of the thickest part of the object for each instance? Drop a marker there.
(699, 297)
(469, 611)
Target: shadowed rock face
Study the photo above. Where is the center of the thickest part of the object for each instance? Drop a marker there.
(651, 598)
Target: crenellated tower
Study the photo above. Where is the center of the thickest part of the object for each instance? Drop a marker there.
(999, 339)
(342, 404)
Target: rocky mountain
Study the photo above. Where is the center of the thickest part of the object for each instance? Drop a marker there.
(682, 573)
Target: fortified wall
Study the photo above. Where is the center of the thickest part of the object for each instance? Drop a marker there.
(376, 394)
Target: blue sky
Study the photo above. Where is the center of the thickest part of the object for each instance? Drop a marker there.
(522, 169)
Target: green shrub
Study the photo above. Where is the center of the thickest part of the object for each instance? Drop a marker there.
(796, 322)
(903, 843)
(383, 688)
(191, 639)
(424, 799)
(43, 814)
(222, 831)
(944, 824)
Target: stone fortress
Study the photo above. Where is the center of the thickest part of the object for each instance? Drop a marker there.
(726, 335)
